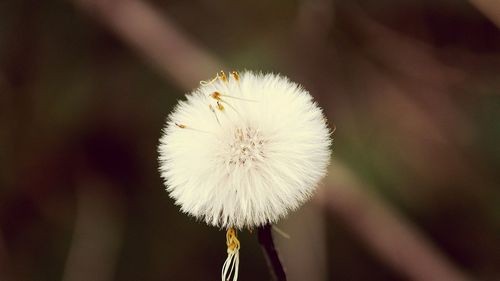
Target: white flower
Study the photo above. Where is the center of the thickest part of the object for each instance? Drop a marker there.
(244, 150)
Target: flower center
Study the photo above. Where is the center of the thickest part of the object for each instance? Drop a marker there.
(246, 146)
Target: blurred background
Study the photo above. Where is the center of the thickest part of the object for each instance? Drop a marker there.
(413, 88)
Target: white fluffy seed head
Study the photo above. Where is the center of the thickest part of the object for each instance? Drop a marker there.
(244, 150)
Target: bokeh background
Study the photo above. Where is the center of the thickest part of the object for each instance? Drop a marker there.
(413, 88)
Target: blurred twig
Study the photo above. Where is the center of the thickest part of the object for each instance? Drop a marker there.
(97, 235)
(305, 252)
(392, 237)
(490, 8)
(154, 36)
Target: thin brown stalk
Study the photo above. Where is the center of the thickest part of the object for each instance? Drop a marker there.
(273, 261)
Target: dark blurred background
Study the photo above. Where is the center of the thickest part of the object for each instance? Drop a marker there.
(411, 86)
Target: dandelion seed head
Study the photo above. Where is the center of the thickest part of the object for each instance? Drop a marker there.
(243, 150)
